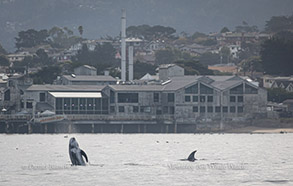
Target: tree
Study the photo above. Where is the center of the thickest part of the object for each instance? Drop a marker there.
(46, 75)
(224, 30)
(80, 30)
(4, 61)
(149, 33)
(102, 57)
(192, 67)
(246, 28)
(209, 58)
(279, 95)
(225, 55)
(279, 23)
(252, 64)
(43, 56)
(31, 38)
(140, 69)
(197, 35)
(277, 54)
(166, 56)
(62, 37)
(2, 50)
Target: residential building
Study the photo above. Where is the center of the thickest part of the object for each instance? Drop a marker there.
(87, 80)
(85, 70)
(169, 70)
(278, 82)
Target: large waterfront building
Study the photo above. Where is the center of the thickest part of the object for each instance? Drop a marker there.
(180, 100)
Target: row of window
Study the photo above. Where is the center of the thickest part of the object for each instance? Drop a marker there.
(203, 89)
(202, 99)
(133, 97)
(217, 109)
(207, 90)
(210, 99)
(239, 99)
(81, 105)
(145, 109)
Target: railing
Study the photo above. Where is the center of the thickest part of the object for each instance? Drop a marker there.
(95, 117)
(117, 118)
(15, 117)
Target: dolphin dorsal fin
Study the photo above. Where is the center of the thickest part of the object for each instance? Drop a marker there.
(191, 156)
(84, 154)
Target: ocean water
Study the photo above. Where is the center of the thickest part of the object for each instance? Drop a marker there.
(148, 159)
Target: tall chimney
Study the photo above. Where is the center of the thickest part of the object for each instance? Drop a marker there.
(123, 46)
(130, 64)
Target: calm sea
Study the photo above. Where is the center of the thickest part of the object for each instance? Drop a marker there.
(148, 159)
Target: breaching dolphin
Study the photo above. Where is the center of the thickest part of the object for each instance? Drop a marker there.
(190, 157)
(76, 153)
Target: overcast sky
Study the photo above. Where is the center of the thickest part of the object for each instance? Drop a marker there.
(102, 17)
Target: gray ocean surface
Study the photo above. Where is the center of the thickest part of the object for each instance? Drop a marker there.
(148, 159)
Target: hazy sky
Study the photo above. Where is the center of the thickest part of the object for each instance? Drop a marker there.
(102, 17)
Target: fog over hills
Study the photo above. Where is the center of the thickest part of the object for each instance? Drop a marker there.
(102, 17)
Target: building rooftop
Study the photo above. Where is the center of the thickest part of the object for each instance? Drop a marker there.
(63, 88)
(176, 83)
(137, 87)
(89, 78)
(222, 85)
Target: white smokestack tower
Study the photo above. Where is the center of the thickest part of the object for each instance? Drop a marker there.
(130, 62)
(123, 46)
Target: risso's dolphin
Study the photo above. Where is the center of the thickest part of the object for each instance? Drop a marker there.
(76, 153)
(191, 157)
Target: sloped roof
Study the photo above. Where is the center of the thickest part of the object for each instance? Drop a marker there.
(66, 88)
(137, 87)
(89, 78)
(180, 82)
(222, 85)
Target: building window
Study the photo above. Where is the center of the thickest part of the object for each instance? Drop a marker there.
(210, 99)
(194, 98)
(127, 97)
(165, 110)
(202, 99)
(237, 90)
(240, 99)
(250, 90)
(191, 90)
(156, 97)
(135, 109)
(210, 109)
(121, 108)
(42, 97)
(7, 95)
(202, 109)
(217, 109)
(187, 99)
(145, 109)
(225, 109)
(195, 109)
(74, 105)
(205, 90)
(232, 109)
(112, 97)
(232, 99)
(112, 109)
(29, 105)
(172, 110)
(240, 109)
(159, 111)
(171, 97)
